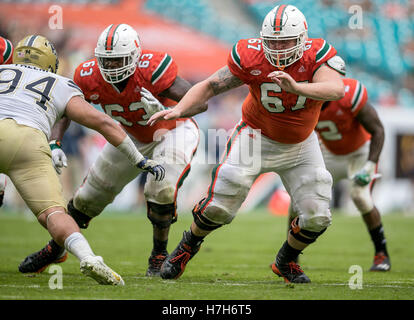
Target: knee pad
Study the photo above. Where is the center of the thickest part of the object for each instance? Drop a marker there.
(318, 182)
(361, 196)
(303, 235)
(312, 199)
(202, 220)
(155, 211)
(80, 218)
(164, 195)
(93, 195)
(316, 222)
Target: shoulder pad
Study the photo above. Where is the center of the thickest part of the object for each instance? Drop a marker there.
(86, 75)
(247, 52)
(338, 64)
(153, 65)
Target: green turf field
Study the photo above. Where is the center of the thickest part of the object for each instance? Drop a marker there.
(233, 262)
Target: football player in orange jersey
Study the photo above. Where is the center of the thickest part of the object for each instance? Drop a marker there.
(288, 80)
(6, 55)
(352, 138)
(131, 84)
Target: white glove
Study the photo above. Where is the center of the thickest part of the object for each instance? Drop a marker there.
(366, 174)
(152, 105)
(59, 159)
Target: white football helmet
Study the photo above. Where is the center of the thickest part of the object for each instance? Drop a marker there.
(284, 22)
(120, 46)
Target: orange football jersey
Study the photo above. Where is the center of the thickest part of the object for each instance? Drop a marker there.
(338, 128)
(155, 71)
(281, 116)
(6, 51)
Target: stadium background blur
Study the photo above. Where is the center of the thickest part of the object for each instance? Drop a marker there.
(199, 34)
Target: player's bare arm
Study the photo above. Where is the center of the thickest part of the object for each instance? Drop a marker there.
(59, 129)
(190, 105)
(178, 90)
(83, 113)
(326, 84)
(223, 80)
(369, 119)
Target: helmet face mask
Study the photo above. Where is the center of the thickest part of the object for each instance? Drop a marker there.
(37, 51)
(284, 33)
(116, 69)
(117, 52)
(285, 56)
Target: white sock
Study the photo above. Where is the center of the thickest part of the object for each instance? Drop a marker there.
(77, 244)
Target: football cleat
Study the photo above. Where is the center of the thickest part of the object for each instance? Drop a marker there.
(154, 263)
(94, 267)
(291, 272)
(38, 261)
(174, 265)
(381, 263)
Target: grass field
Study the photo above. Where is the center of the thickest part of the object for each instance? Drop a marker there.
(233, 263)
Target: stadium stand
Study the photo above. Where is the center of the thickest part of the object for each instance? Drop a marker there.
(379, 52)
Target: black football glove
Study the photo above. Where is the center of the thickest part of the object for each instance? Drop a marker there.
(152, 167)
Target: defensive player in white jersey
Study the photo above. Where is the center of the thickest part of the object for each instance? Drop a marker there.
(32, 99)
(6, 55)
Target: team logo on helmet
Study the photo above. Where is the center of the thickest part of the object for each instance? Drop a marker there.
(37, 51)
(284, 32)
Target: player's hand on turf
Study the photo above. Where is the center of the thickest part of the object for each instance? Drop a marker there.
(152, 104)
(168, 114)
(284, 80)
(152, 167)
(59, 159)
(366, 174)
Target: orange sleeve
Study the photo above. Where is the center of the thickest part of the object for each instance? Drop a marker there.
(82, 81)
(323, 52)
(159, 70)
(358, 97)
(234, 62)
